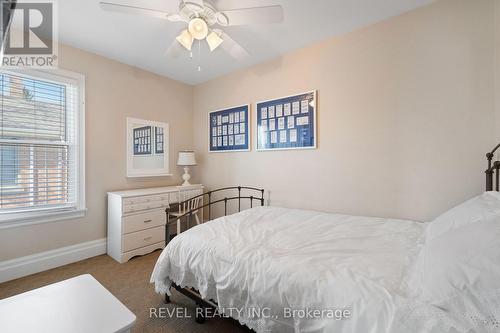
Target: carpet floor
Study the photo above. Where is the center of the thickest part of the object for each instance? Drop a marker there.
(129, 282)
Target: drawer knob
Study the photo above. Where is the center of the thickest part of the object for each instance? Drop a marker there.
(148, 238)
(148, 221)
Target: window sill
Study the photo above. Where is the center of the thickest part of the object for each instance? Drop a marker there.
(29, 218)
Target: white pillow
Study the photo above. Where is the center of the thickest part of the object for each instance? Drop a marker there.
(476, 209)
(463, 260)
(457, 272)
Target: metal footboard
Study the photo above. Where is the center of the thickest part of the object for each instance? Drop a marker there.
(209, 195)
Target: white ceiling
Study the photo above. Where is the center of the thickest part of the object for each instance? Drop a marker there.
(142, 41)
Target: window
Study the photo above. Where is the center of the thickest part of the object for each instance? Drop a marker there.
(41, 145)
(8, 175)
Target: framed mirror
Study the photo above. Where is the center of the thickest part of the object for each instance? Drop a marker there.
(147, 148)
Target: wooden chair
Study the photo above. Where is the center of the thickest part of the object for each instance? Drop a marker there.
(187, 204)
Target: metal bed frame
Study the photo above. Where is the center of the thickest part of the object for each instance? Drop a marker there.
(492, 183)
(191, 292)
(493, 171)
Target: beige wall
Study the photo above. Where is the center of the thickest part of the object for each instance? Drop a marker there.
(497, 67)
(114, 91)
(406, 114)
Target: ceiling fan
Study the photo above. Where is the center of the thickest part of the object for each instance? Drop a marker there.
(204, 21)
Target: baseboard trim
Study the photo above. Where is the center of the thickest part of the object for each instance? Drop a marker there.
(39, 262)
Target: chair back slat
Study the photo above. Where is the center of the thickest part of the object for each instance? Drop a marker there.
(186, 204)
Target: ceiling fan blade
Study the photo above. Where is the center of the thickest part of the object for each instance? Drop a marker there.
(175, 50)
(197, 2)
(257, 15)
(194, 5)
(231, 46)
(129, 9)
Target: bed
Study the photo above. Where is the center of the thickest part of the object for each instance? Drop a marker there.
(287, 270)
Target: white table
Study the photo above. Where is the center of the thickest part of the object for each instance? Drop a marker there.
(80, 304)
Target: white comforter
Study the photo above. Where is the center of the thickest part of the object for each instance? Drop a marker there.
(287, 259)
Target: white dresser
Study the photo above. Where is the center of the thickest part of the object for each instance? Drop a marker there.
(136, 219)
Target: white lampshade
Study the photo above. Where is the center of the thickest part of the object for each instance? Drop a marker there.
(214, 40)
(198, 28)
(186, 158)
(185, 39)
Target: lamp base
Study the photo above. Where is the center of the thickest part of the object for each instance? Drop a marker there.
(186, 176)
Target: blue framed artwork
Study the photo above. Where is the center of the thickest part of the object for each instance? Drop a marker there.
(229, 129)
(142, 140)
(159, 144)
(287, 123)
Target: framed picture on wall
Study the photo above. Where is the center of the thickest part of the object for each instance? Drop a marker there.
(142, 140)
(287, 123)
(159, 143)
(229, 129)
(147, 148)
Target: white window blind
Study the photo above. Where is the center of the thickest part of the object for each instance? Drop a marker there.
(39, 143)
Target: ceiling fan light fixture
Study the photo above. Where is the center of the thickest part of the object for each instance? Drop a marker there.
(214, 40)
(185, 39)
(198, 28)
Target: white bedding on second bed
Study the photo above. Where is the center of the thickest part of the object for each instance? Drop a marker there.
(278, 258)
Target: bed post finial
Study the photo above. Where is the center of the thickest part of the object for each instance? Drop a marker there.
(492, 167)
(489, 156)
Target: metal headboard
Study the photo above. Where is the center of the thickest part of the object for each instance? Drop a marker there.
(209, 196)
(493, 171)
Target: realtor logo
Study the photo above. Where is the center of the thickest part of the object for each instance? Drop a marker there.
(31, 39)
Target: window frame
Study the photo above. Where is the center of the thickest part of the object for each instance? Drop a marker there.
(41, 215)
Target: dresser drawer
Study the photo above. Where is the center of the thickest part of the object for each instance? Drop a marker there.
(134, 200)
(133, 208)
(142, 238)
(137, 204)
(143, 221)
(145, 199)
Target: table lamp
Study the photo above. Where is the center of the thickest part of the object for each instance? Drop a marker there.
(186, 159)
